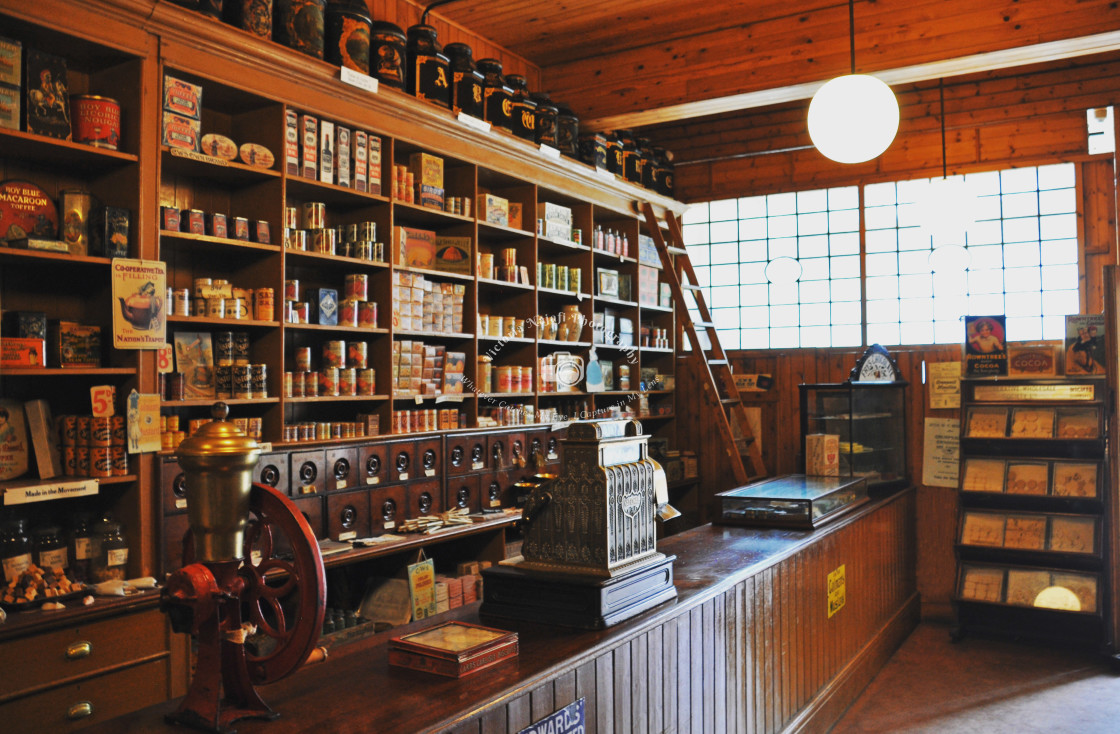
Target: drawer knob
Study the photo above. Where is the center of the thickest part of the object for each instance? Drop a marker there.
(79, 710)
(79, 650)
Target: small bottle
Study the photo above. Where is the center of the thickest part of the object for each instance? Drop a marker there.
(111, 560)
(15, 549)
(50, 548)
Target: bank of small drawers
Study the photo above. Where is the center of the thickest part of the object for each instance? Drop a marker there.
(116, 665)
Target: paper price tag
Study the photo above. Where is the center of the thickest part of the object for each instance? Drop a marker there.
(474, 122)
(165, 361)
(102, 399)
(359, 80)
(549, 152)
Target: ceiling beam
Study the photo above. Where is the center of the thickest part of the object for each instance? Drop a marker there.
(969, 64)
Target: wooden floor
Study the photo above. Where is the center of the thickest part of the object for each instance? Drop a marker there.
(932, 685)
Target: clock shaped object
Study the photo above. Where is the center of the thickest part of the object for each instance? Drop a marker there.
(876, 365)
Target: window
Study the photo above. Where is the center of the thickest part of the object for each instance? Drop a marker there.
(784, 270)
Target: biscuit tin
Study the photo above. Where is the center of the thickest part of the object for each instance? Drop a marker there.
(182, 98)
(97, 120)
(181, 132)
(219, 146)
(26, 211)
(46, 89)
(11, 62)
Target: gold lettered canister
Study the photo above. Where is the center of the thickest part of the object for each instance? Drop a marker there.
(241, 382)
(264, 304)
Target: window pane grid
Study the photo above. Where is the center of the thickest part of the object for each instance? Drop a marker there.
(1018, 256)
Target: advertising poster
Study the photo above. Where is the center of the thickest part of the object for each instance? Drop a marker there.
(1085, 353)
(985, 346)
(139, 311)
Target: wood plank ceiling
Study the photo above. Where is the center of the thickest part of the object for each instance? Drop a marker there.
(637, 63)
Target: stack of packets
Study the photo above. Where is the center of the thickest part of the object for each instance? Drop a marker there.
(463, 588)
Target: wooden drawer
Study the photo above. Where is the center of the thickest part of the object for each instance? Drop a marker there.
(85, 649)
(107, 696)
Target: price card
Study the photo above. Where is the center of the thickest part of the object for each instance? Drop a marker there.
(103, 398)
(165, 361)
(358, 79)
(473, 122)
(549, 152)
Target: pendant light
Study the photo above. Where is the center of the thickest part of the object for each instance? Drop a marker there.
(853, 118)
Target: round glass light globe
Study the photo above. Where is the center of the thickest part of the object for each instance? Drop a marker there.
(853, 118)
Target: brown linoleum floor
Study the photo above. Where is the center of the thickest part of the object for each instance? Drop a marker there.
(986, 686)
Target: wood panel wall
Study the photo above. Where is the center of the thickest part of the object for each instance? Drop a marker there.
(760, 656)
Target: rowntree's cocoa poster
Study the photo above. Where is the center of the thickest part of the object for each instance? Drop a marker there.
(139, 310)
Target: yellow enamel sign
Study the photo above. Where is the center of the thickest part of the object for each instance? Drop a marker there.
(836, 590)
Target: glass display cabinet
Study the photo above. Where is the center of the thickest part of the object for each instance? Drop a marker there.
(869, 420)
(795, 501)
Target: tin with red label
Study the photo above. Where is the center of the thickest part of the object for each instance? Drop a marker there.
(357, 354)
(118, 455)
(328, 381)
(291, 290)
(367, 314)
(367, 382)
(348, 312)
(216, 225)
(100, 431)
(347, 381)
(100, 462)
(264, 304)
(334, 353)
(241, 228)
(96, 120)
(357, 286)
(303, 359)
(68, 429)
(196, 221)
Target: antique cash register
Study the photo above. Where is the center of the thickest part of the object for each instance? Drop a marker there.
(589, 557)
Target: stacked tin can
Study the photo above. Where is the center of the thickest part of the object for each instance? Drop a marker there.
(356, 309)
(235, 376)
(344, 371)
(305, 228)
(93, 446)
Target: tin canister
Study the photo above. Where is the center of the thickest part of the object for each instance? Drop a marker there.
(295, 239)
(264, 304)
(82, 462)
(100, 431)
(324, 241)
(223, 379)
(573, 279)
(347, 33)
(96, 120)
(334, 353)
(236, 308)
(216, 307)
(562, 273)
(357, 286)
(175, 383)
(169, 218)
(223, 348)
(367, 314)
(70, 461)
(298, 383)
(255, 425)
(357, 354)
(83, 430)
(311, 385)
(118, 455)
(348, 312)
(367, 382)
(291, 290)
(100, 461)
(258, 380)
(505, 378)
(328, 381)
(313, 215)
(301, 313)
(347, 381)
(181, 302)
(119, 427)
(387, 53)
(288, 384)
(201, 286)
(242, 387)
(68, 429)
(303, 359)
(241, 347)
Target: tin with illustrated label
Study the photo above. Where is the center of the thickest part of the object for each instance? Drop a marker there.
(97, 120)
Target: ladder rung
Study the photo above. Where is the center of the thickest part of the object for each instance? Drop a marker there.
(717, 361)
(703, 324)
(675, 250)
(730, 401)
(690, 287)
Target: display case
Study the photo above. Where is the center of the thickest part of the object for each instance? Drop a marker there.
(797, 501)
(1030, 534)
(869, 421)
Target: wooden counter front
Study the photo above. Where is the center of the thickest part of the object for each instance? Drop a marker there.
(748, 645)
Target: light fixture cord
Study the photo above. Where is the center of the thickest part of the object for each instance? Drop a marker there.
(941, 98)
(852, 31)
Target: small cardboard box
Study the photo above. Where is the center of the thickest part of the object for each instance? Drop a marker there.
(373, 158)
(430, 196)
(414, 248)
(326, 147)
(558, 231)
(515, 210)
(324, 306)
(361, 161)
(291, 142)
(70, 344)
(494, 209)
(822, 454)
(181, 132)
(309, 146)
(453, 254)
(557, 213)
(427, 169)
(11, 108)
(182, 98)
(342, 156)
(22, 352)
(11, 63)
(25, 324)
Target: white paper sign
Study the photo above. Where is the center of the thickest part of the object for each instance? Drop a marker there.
(358, 79)
(944, 385)
(941, 452)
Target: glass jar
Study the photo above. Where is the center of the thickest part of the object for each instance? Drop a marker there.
(347, 31)
(496, 95)
(82, 547)
(546, 119)
(386, 53)
(111, 559)
(299, 25)
(50, 548)
(466, 80)
(15, 549)
(567, 131)
(524, 108)
(428, 76)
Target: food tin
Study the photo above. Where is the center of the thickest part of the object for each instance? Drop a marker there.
(74, 210)
(242, 388)
(303, 359)
(241, 228)
(100, 431)
(100, 462)
(216, 225)
(328, 381)
(367, 314)
(241, 347)
(97, 120)
(235, 308)
(264, 304)
(366, 382)
(258, 380)
(347, 381)
(291, 290)
(357, 354)
(223, 348)
(196, 221)
(357, 286)
(223, 381)
(334, 353)
(119, 458)
(169, 218)
(348, 312)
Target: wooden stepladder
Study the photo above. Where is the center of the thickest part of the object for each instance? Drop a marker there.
(720, 402)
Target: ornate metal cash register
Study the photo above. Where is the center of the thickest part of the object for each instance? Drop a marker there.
(589, 558)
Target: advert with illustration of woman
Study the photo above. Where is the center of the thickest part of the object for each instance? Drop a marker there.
(985, 348)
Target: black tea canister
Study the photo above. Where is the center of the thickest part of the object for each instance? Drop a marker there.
(524, 108)
(298, 24)
(645, 150)
(346, 25)
(593, 149)
(497, 97)
(213, 8)
(429, 76)
(254, 16)
(466, 80)
(546, 119)
(387, 53)
(614, 154)
(567, 131)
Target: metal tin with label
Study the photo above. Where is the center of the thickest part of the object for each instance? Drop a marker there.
(74, 213)
(97, 120)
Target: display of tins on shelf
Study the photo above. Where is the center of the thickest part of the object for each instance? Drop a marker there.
(347, 26)
(428, 76)
(299, 24)
(614, 153)
(254, 16)
(524, 108)
(546, 119)
(567, 131)
(386, 53)
(496, 95)
(593, 149)
(466, 80)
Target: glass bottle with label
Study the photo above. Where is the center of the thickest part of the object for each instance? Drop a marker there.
(50, 548)
(111, 560)
(15, 549)
(83, 547)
